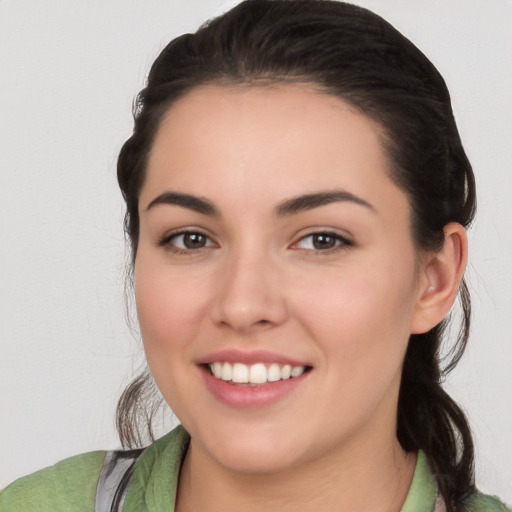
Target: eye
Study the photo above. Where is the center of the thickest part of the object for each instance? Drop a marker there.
(322, 242)
(186, 241)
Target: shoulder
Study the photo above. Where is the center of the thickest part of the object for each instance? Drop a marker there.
(71, 484)
(479, 502)
(154, 482)
(68, 485)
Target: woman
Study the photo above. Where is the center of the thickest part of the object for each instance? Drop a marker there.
(296, 194)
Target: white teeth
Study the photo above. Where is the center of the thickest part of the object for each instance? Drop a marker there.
(254, 374)
(273, 373)
(297, 370)
(226, 372)
(257, 374)
(217, 370)
(240, 373)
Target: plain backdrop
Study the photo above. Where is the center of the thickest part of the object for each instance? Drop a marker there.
(68, 73)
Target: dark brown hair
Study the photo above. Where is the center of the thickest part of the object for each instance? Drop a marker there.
(351, 53)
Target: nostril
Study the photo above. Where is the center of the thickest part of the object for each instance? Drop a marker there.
(262, 324)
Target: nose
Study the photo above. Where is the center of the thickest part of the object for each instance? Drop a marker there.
(250, 296)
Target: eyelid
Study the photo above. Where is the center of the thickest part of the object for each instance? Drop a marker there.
(344, 241)
(165, 240)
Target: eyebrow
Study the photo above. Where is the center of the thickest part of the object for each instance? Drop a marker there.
(197, 204)
(289, 207)
(310, 201)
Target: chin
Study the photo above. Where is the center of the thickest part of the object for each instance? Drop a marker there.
(253, 450)
(254, 460)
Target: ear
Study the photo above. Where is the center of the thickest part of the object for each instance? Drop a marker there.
(440, 275)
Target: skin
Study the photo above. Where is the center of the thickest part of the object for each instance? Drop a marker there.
(259, 282)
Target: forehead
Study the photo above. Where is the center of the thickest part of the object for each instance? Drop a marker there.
(266, 142)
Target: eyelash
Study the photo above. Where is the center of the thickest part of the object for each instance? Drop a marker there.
(341, 242)
(166, 242)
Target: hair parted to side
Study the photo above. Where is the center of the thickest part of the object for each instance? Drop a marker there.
(351, 53)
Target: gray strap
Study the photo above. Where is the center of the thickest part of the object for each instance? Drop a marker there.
(439, 504)
(113, 481)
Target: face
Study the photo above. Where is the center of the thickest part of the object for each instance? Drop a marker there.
(276, 277)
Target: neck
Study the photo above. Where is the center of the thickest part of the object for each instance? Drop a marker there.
(363, 477)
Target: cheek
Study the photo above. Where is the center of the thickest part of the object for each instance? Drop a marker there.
(362, 318)
(170, 313)
(168, 309)
(360, 324)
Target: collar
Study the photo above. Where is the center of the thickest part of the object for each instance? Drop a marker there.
(154, 483)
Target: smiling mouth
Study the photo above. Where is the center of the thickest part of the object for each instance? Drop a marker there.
(254, 374)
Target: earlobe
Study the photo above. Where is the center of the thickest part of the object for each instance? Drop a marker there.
(441, 274)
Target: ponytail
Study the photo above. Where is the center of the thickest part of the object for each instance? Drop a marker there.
(429, 419)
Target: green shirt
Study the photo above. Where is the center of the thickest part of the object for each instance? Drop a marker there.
(70, 485)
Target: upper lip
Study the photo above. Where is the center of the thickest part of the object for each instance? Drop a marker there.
(249, 357)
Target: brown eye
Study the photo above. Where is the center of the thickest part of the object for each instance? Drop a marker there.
(188, 241)
(194, 240)
(322, 242)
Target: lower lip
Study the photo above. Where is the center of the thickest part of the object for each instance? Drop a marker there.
(243, 396)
